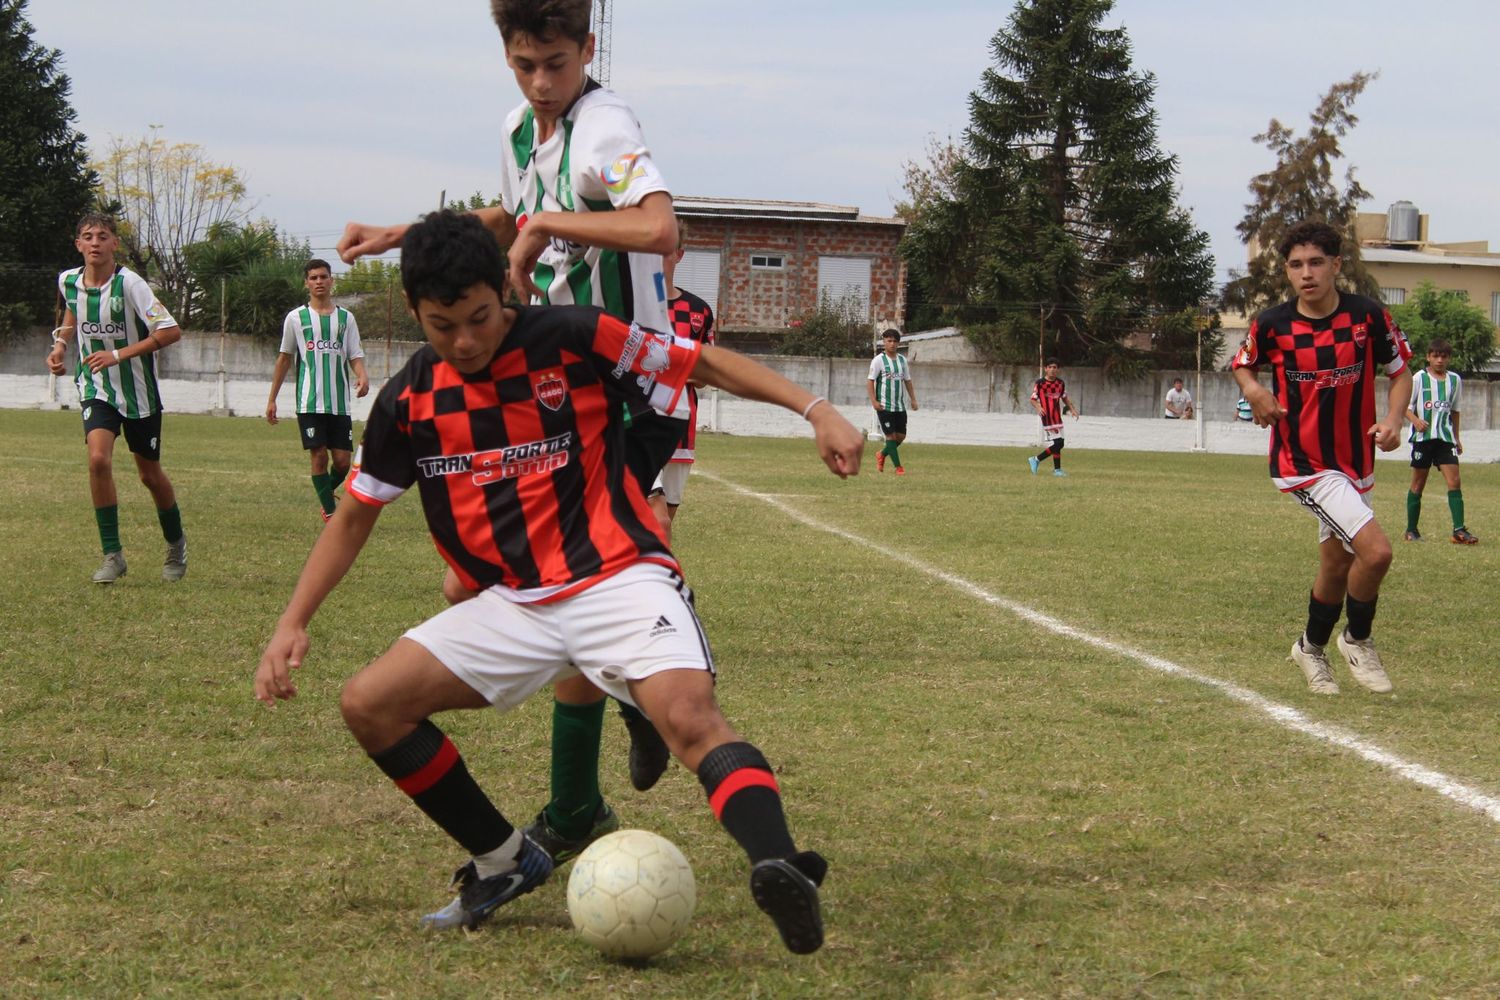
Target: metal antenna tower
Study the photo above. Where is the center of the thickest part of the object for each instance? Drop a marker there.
(603, 23)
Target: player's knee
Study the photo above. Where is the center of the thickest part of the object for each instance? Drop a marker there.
(359, 706)
(100, 464)
(693, 726)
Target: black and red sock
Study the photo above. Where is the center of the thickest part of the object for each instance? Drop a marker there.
(743, 794)
(426, 766)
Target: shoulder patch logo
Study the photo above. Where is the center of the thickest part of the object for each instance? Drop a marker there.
(618, 175)
(550, 388)
(657, 357)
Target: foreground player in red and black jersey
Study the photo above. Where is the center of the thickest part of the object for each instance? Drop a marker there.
(510, 425)
(1325, 348)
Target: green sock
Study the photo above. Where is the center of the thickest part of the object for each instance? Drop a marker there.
(108, 519)
(576, 731)
(171, 523)
(1413, 510)
(895, 451)
(1456, 507)
(336, 478)
(322, 487)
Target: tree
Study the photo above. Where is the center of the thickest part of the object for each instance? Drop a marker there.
(1432, 313)
(258, 272)
(1301, 188)
(47, 181)
(170, 197)
(1061, 233)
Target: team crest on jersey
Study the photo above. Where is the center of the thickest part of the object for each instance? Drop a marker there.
(550, 388)
(1361, 333)
(696, 321)
(1247, 353)
(657, 358)
(116, 304)
(618, 175)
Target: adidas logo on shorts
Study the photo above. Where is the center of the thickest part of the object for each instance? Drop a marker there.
(662, 627)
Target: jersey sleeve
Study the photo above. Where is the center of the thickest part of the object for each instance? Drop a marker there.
(875, 368)
(510, 180)
(145, 303)
(352, 346)
(640, 364)
(1251, 350)
(1036, 390)
(611, 161)
(384, 467)
(1391, 348)
(709, 336)
(291, 334)
(1458, 391)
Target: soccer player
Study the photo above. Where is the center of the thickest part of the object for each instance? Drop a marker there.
(888, 373)
(693, 319)
(509, 425)
(324, 340)
(1049, 398)
(1324, 348)
(1435, 440)
(119, 324)
(586, 216)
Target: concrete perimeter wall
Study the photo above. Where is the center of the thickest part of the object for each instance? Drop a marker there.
(955, 388)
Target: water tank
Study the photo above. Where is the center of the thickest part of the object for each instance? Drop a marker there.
(1403, 224)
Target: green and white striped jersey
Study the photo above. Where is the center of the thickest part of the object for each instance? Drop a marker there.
(596, 161)
(888, 373)
(323, 346)
(109, 318)
(1435, 400)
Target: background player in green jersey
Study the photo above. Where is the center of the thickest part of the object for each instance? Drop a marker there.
(119, 325)
(586, 218)
(1433, 415)
(888, 373)
(324, 341)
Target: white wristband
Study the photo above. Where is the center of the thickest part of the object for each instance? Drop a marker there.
(116, 353)
(808, 408)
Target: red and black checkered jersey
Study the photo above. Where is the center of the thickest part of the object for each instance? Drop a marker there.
(693, 319)
(1323, 373)
(1049, 395)
(521, 466)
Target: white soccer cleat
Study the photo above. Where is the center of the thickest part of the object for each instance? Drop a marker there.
(1315, 668)
(111, 569)
(1364, 663)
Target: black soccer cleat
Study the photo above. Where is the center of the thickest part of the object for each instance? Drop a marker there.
(649, 755)
(564, 849)
(786, 889)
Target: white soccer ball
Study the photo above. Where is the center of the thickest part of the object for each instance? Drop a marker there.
(631, 894)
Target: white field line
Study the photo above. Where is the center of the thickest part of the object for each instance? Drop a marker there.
(1283, 715)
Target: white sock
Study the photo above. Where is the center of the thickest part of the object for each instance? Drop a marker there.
(502, 859)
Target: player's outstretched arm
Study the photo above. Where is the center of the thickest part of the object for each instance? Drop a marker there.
(650, 227)
(839, 444)
(332, 555)
(361, 239)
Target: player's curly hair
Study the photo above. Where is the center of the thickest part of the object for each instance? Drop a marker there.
(1319, 234)
(542, 20)
(99, 219)
(446, 254)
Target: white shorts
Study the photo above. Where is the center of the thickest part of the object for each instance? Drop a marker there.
(1340, 508)
(634, 624)
(671, 481)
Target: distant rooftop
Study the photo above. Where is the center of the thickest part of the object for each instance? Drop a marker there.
(790, 211)
(1385, 255)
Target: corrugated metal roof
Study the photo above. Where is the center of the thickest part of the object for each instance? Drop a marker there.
(1382, 255)
(790, 211)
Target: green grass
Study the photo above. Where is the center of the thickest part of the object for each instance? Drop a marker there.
(1008, 813)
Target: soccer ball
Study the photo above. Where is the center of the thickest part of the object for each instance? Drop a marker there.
(631, 894)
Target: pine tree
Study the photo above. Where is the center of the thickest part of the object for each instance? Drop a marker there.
(1063, 234)
(47, 183)
(1301, 188)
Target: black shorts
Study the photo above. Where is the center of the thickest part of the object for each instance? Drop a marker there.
(143, 435)
(891, 421)
(649, 443)
(325, 430)
(1426, 454)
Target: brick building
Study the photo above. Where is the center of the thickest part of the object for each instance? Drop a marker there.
(762, 263)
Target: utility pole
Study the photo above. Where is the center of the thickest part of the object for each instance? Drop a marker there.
(603, 25)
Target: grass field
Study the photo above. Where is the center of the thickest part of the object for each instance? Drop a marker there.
(1008, 812)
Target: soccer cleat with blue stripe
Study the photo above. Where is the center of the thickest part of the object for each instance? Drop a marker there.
(479, 898)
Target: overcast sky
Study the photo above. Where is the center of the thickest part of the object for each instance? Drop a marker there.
(339, 110)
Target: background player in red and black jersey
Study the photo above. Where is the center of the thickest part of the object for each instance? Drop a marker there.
(1325, 348)
(691, 319)
(510, 424)
(1049, 397)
